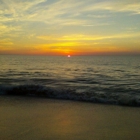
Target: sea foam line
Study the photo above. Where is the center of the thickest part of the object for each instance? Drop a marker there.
(70, 94)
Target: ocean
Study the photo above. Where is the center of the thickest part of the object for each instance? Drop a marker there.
(97, 79)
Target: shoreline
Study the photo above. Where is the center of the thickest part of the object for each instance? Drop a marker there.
(42, 118)
(115, 98)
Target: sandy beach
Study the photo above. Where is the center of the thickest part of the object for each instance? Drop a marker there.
(30, 118)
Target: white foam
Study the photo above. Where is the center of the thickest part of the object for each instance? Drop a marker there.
(70, 94)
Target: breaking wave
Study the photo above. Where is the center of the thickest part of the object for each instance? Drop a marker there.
(115, 96)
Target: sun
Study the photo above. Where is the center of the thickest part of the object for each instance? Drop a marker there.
(69, 56)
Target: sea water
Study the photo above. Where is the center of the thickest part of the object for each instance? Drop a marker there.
(102, 79)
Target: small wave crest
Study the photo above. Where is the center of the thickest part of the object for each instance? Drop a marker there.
(71, 94)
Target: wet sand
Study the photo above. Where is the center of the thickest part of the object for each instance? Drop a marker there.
(30, 118)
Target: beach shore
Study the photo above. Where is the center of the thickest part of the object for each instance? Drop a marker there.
(31, 118)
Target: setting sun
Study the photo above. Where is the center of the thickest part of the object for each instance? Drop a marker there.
(75, 50)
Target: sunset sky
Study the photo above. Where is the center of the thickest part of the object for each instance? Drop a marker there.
(76, 27)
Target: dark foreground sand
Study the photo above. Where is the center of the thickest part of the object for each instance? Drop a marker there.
(26, 118)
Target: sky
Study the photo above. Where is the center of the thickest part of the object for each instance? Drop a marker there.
(75, 27)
